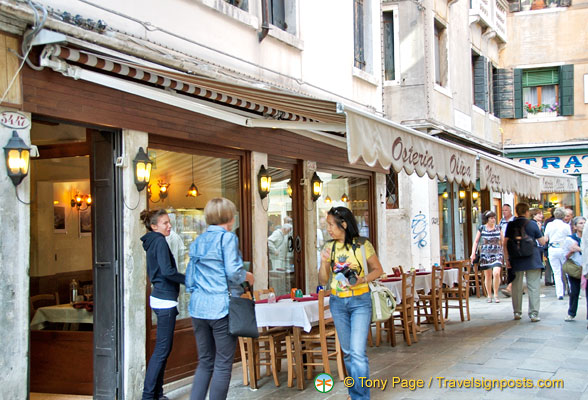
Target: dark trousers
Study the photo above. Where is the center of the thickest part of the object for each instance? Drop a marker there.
(574, 295)
(166, 323)
(216, 351)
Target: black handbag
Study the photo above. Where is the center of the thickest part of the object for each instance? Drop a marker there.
(242, 321)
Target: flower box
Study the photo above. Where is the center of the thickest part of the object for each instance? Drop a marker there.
(542, 114)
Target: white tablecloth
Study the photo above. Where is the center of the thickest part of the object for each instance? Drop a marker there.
(421, 282)
(303, 314)
(64, 313)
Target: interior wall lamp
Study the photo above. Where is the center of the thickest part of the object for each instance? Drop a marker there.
(462, 194)
(264, 181)
(475, 195)
(17, 155)
(317, 187)
(163, 189)
(142, 165)
(80, 199)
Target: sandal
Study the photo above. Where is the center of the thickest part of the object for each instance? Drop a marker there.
(496, 300)
(489, 300)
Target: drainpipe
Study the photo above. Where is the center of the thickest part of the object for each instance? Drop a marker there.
(264, 19)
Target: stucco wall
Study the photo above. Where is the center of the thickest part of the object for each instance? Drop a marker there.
(14, 285)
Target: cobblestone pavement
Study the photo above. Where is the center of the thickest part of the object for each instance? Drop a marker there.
(490, 346)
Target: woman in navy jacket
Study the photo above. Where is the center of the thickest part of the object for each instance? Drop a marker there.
(165, 278)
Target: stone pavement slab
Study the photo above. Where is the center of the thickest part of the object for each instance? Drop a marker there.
(492, 346)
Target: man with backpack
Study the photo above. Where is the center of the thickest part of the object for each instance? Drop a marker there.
(522, 255)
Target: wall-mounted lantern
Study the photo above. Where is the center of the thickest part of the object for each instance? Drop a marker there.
(317, 187)
(17, 155)
(142, 164)
(264, 182)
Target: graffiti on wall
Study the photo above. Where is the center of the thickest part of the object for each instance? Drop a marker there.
(418, 226)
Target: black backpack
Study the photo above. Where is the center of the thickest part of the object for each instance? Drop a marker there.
(519, 244)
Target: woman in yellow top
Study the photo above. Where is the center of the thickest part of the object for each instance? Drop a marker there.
(343, 268)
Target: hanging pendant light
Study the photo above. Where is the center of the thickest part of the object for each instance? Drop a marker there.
(344, 198)
(193, 190)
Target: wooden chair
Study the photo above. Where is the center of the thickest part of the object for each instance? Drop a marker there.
(476, 281)
(43, 300)
(430, 305)
(404, 315)
(266, 350)
(321, 342)
(460, 292)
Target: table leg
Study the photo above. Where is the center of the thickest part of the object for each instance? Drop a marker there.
(298, 358)
(251, 363)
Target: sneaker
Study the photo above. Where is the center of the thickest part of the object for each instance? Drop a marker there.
(505, 292)
(569, 318)
(535, 318)
(517, 316)
(560, 298)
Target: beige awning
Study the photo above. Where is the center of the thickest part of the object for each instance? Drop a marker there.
(501, 175)
(553, 182)
(378, 140)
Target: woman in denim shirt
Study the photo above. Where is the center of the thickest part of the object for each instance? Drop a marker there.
(350, 301)
(215, 262)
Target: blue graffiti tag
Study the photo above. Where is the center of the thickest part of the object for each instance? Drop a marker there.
(419, 230)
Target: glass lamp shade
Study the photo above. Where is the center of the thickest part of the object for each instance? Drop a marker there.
(328, 199)
(317, 187)
(142, 164)
(193, 191)
(475, 195)
(17, 155)
(345, 198)
(264, 182)
(289, 189)
(163, 192)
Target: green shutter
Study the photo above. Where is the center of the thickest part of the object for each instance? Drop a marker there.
(358, 28)
(566, 90)
(541, 77)
(504, 93)
(389, 72)
(518, 93)
(480, 82)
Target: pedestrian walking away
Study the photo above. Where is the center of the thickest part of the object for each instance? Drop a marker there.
(528, 266)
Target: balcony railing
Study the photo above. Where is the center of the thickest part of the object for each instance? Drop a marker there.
(492, 14)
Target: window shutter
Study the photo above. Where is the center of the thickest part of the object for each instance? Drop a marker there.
(514, 5)
(389, 73)
(358, 32)
(518, 93)
(504, 93)
(541, 77)
(565, 3)
(480, 83)
(566, 89)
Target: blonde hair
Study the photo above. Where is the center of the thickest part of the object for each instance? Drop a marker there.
(219, 211)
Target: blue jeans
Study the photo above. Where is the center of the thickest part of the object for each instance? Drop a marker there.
(352, 317)
(216, 351)
(166, 323)
(574, 295)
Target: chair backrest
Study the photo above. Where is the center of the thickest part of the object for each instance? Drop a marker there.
(437, 279)
(322, 308)
(463, 276)
(43, 300)
(263, 293)
(408, 281)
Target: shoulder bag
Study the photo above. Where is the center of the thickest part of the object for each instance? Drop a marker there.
(570, 267)
(242, 321)
(383, 302)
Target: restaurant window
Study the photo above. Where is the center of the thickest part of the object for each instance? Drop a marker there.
(341, 190)
(445, 196)
(392, 190)
(172, 175)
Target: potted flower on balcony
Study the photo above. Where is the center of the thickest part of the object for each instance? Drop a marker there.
(541, 110)
(531, 109)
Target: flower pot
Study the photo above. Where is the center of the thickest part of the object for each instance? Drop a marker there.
(543, 114)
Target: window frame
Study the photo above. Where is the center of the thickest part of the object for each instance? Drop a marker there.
(392, 9)
(440, 53)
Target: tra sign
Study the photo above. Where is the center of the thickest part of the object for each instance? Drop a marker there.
(573, 164)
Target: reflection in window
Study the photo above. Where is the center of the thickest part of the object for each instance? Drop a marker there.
(392, 190)
(214, 177)
(280, 242)
(342, 191)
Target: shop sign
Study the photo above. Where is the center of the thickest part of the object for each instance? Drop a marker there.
(557, 185)
(572, 164)
(14, 120)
